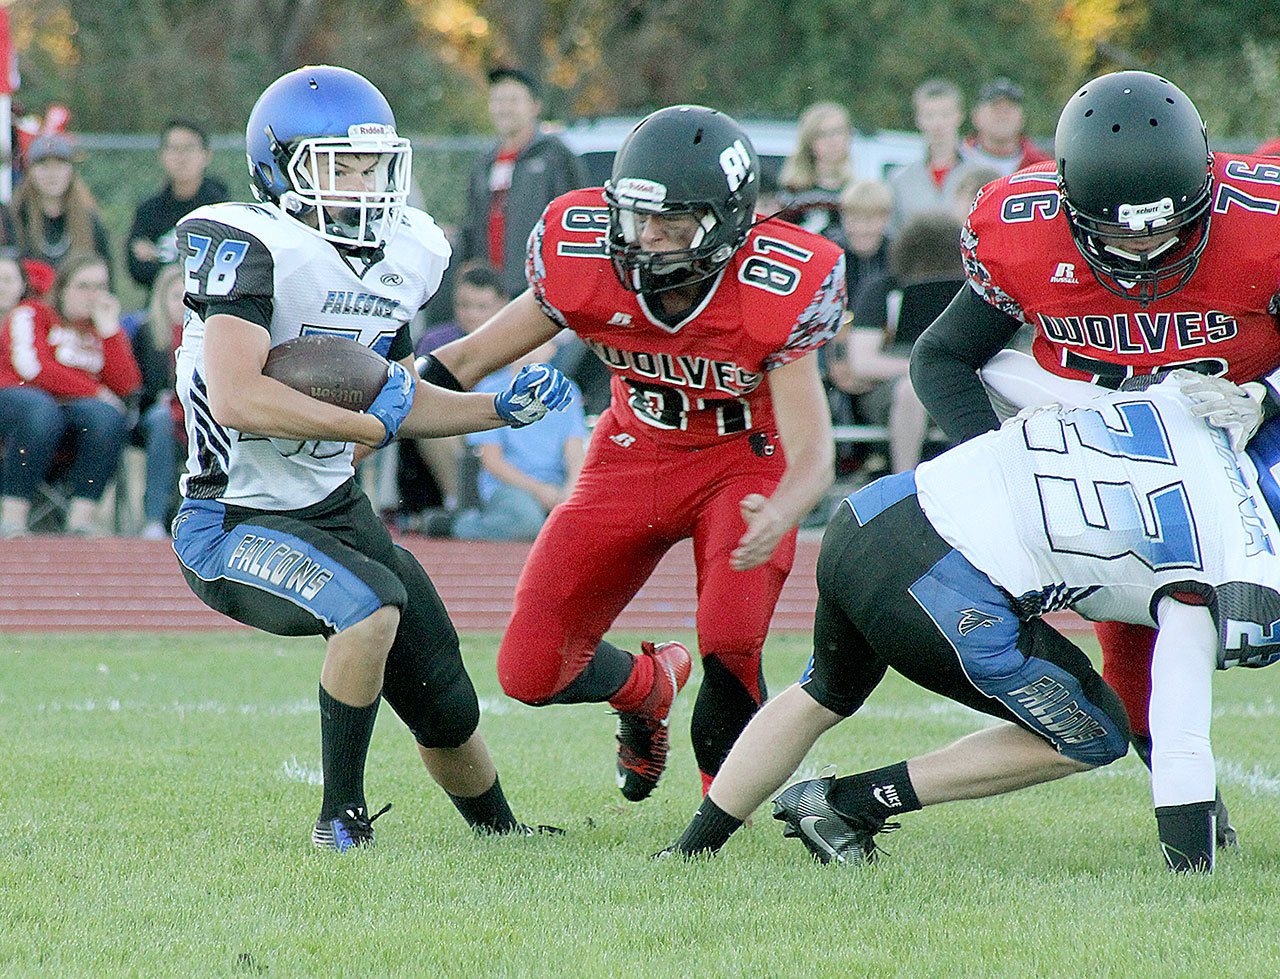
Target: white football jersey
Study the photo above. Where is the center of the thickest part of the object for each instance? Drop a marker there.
(237, 251)
(1107, 508)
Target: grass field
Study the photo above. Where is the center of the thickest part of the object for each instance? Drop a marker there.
(160, 791)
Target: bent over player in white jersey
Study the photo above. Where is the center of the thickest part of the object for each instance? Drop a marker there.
(1130, 509)
(273, 530)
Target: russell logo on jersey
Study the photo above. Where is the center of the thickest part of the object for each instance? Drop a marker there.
(1065, 274)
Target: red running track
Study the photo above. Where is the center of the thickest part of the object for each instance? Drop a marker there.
(52, 583)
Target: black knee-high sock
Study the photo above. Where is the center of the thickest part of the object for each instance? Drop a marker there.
(883, 793)
(487, 812)
(604, 675)
(344, 744)
(708, 831)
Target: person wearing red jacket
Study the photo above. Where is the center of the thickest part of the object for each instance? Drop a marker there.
(64, 370)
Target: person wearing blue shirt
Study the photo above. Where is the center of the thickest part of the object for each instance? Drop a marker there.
(524, 473)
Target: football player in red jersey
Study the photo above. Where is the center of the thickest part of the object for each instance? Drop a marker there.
(1181, 268)
(718, 429)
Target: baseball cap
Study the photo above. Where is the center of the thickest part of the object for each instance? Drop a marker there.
(51, 145)
(1001, 88)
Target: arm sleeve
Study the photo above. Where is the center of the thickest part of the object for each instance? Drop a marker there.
(1182, 666)
(255, 309)
(945, 362)
(402, 345)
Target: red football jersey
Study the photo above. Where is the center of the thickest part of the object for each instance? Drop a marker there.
(1019, 255)
(702, 379)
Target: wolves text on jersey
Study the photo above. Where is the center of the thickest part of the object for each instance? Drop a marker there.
(680, 370)
(1140, 332)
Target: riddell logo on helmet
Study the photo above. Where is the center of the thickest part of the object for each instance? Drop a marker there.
(1066, 272)
(635, 190)
(370, 129)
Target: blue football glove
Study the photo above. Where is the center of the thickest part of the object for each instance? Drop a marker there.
(537, 389)
(395, 400)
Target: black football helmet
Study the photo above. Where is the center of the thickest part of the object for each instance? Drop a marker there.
(1133, 163)
(685, 159)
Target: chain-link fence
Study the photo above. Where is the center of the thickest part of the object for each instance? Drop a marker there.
(122, 170)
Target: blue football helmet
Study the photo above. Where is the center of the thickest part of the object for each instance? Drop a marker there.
(300, 129)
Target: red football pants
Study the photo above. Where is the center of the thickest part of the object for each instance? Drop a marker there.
(634, 499)
(1126, 666)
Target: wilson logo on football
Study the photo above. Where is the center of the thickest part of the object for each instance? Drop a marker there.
(1066, 273)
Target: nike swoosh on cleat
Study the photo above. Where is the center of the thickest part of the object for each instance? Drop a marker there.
(675, 690)
(806, 826)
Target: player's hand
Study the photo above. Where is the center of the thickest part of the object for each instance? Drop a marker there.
(537, 389)
(394, 401)
(765, 527)
(1236, 409)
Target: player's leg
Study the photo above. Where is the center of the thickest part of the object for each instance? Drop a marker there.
(840, 676)
(734, 609)
(582, 571)
(950, 630)
(1126, 666)
(288, 576)
(591, 557)
(842, 672)
(427, 685)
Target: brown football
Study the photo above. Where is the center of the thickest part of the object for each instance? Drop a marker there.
(331, 369)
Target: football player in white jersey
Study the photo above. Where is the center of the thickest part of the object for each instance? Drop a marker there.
(1128, 509)
(273, 530)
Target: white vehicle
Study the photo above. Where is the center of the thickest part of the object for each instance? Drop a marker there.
(874, 156)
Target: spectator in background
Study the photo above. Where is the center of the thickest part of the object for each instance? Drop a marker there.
(866, 207)
(819, 169)
(966, 190)
(477, 295)
(511, 184)
(924, 275)
(865, 210)
(54, 212)
(63, 374)
(931, 184)
(159, 429)
(998, 140)
(185, 156)
(524, 473)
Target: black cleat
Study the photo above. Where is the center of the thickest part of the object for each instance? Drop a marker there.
(351, 828)
(829, 834)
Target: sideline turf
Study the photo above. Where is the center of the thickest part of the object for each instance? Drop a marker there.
(159, 792)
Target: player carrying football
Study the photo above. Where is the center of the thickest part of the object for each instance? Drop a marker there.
(1140, 251)
(273, 530)
(718, 429)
